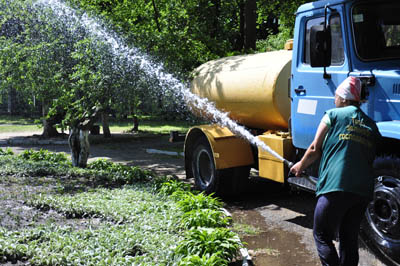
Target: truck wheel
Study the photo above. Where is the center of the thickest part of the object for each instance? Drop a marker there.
(381, 228)
(225, 182)
(205, 175)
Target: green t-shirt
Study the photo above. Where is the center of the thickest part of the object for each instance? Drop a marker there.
(348, 152)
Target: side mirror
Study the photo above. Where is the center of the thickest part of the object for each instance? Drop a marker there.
(320, 46)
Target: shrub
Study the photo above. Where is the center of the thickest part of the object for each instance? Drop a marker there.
(18, 166)
(169, 187)
(101, 165)
(7, 151)
(275, 42)
(206, 260)
(209, 241)
(205, 218)
(45, 155)
(120, 174)
(190, 201)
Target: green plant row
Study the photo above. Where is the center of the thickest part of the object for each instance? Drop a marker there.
(208, 241)
(123, 205)
(202, 224)
(43, 163)
(109, 244)
(121, 174)
(45, 155)
(137, 227)
(163, 220)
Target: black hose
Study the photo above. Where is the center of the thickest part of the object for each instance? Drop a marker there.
(308, 177)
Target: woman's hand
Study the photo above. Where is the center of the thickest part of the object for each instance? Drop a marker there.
(297, 169)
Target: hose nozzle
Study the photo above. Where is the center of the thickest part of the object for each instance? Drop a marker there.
(288, 163)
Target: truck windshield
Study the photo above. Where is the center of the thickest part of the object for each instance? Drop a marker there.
(376, 28)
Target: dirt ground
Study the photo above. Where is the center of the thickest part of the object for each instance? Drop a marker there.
(280, 220)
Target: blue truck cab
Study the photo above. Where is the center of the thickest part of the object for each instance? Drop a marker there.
(365, 42)
(340, 38)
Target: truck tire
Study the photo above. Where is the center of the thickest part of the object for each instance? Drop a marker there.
(381, 226)
(225, 182)
(206, 177)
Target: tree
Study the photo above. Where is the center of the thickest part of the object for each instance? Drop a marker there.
(250, 25)
(34, 58)
(179, 33)
(102, 79)
(40, 58)
(184, 34)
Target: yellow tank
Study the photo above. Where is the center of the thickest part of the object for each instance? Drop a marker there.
(254, 89)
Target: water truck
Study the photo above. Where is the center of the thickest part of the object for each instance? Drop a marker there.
(281, 96)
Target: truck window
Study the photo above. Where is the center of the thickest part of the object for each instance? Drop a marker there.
(376, 30)
(337, 58)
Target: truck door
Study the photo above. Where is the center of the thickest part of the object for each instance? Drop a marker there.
(311, 93)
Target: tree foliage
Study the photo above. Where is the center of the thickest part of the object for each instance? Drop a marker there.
(184, 34)
(64, 67)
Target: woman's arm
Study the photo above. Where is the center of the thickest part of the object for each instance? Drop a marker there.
(313, 152)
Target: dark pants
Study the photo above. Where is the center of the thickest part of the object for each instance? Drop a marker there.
(338, 213)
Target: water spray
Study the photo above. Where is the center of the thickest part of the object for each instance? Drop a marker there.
(167, 81)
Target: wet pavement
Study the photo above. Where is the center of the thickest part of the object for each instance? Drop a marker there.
(273, 245)
(285, 219)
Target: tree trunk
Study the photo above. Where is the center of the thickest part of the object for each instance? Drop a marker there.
(156, 15)
(12, 93)
(135, 123)
(217, 10)
(240, 41)
(79, 144)
(250, 24)
(49, 130)
(106, 126)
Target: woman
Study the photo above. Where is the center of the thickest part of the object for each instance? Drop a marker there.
(345, 142)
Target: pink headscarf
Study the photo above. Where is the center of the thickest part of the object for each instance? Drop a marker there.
(350, 89)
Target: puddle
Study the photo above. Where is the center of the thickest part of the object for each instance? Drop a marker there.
(272, 246)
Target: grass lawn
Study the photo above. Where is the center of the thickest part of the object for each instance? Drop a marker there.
(17, 124)
(146, 124)
(16, 120)
(19, 128)
(152, 125)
